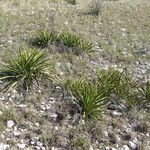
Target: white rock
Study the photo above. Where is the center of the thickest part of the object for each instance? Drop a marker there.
(115, 113)
(54, 148)
(15, 128)
(48, 106)
(10, 99)
(13, 96)
(56, 128)
(91, 148)
(106, 133)
(8, 94)
(39, 91)
(66, 23)
(37, 147)
(58, 87)
(1, 113)
(54, 116)
(10, 42)
(132, 145)
(114, 149)
(125, 147)
(10, 123)
(14, 91)
(8, 129)
(107, 148)
(22, 105)
(2, 98)
(37, 124)
(147, 134)
(1, 81)
(32, 142)
(123, 29)
(4, 146)
(43, 107)
(135, 140)
(2, 136)
(16, 133)
(21, 146)
(82, 122)
(40, 144)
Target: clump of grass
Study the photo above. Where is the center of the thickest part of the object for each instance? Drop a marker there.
(73, 41)
(43, 38)
(89, 98)
(72, 2)
(29, 66)
(8, 114)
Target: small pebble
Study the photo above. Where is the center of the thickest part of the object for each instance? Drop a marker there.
(132, 145)
(21, 146)
(4, 146)
(10, 123)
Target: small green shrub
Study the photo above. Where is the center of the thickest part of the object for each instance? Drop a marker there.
(27, 67)
(73, 41)
(43, 38)
(72, 2)
(88, 96)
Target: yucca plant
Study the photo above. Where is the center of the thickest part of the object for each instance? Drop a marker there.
(89, 98)
(72, 2)
(27, 67)
(108, 80)
(43, 38)
(118, 84)
(73, 41)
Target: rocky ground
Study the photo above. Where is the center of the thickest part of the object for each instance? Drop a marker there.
(47, 118)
